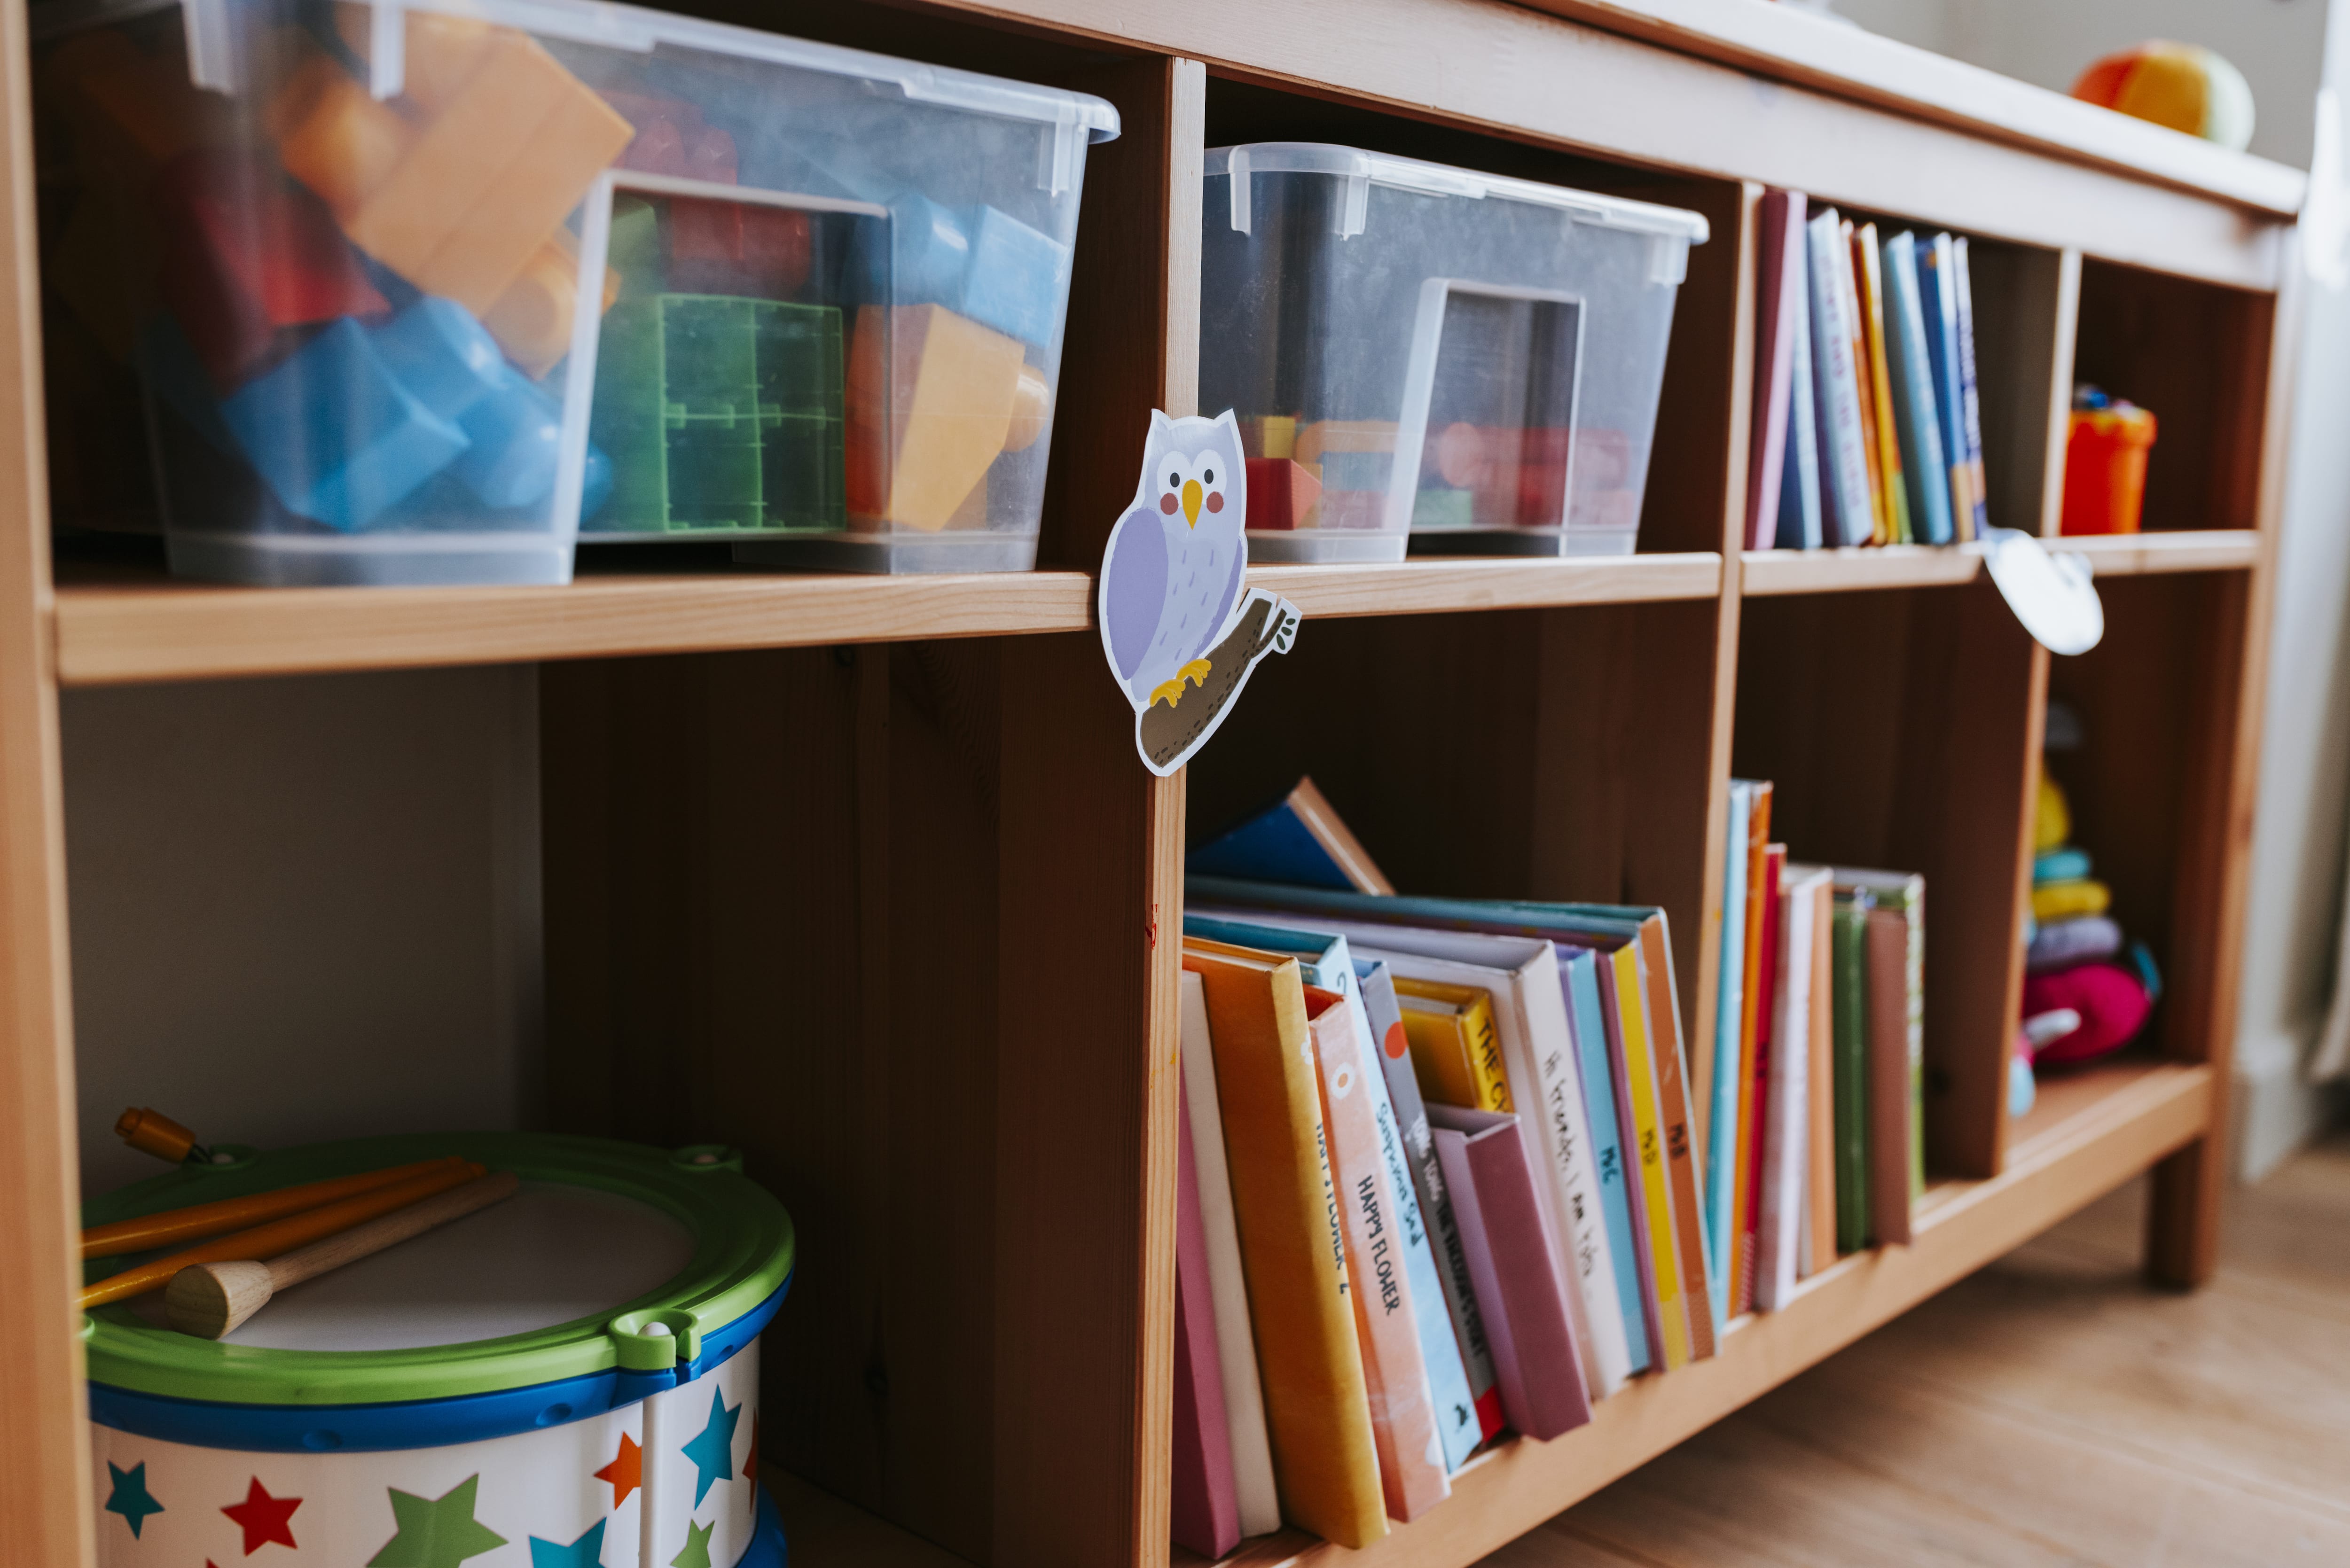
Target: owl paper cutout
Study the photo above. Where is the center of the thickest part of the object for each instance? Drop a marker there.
(1181, 635)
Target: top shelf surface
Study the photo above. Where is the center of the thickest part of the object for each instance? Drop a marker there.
(115, 626)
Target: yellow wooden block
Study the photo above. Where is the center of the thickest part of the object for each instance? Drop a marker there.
(952, 387)
(1342, 435)
(334, 138)
(437, 52)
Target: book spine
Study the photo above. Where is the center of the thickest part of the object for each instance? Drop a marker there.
(1628, 1042)
(1913, 388)
(1781, 241)
(1915, 975)
(1836, 386)
(1687, 1165)
(1938, 293)
(1395, 1375)
(1579, 973)
(1764, 987)
(1563, 1138)
(1510, 1251)
(1750, 1028)
(1851, 939)
(1962, 284)
(1888, 1075)
(1293, 1249)
(1866, 259)
(1880, 525)
(1453, 1401)
(1799, 495)
(1820, 1175)
(1786, 1128)
(1203, 1504)
(1482, 1043)
(1243, 1396)
(1722, 1078)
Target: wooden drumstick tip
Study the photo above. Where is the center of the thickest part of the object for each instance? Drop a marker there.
(211, 1300)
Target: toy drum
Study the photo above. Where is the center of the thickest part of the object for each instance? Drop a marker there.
(570, 1376)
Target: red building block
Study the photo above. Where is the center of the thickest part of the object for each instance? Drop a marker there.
(247, 253)
(1280, 493)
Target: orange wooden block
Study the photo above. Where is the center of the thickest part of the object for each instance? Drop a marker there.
(437, 52)
(953, 387)
(334, 138)
(532, 319)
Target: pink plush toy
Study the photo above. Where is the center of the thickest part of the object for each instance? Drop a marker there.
(2112, 1001)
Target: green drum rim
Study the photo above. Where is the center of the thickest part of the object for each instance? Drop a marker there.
(743, 1252)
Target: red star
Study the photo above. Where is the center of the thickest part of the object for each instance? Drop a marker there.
(264, 1517)
(627, 1470)
(751, 1461)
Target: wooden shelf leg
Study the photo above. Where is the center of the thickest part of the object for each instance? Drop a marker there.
(2182, 1222)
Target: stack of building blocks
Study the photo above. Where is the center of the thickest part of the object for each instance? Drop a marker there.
(1352, 459)
(978, 262)
(1282, 493)
(931, 397)
(723, 414)
(752, 249)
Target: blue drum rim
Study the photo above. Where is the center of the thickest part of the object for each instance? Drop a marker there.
(416, 1423)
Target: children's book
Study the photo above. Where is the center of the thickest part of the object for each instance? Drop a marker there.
(1887, 1110)
(1880, 523)
(1917, 409)
(1719, 1068)
(1511, 1256)
(1395, 1378)
(1327, 962)
(1244, 1399)
(1750, 1019)
(1899, 1105)
(1204, 1505)
(1845, 494)
(1762, 985)
(1298, 839)
(1802, 525)
(1818, 1245)
(1938, 299)
(1293, 1247)
(1454, 1047)
(1537, 1043)
(1868, 268)
(1970, 401)
(1464, 1429)
(1850, 936)
(1628, 1040)
(1787, 1131)
(1780, 264)
(1578, 971)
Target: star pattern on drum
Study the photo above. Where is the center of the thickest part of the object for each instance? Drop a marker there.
(627, 1470)
(264, 1518)
(751, 1461)
(436, 1533)
(697, 1546)
(130, 1496)
(712, 1450)
(588, 1552)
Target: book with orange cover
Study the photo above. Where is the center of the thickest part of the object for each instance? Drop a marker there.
(1740, 1251)
(1395, 1376)
(1664, 1028)
(1763, 981)
(1293, 1246)
(1627, 1038)
(1869, 269)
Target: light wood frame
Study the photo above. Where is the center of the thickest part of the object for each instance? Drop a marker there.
(1010, 1106)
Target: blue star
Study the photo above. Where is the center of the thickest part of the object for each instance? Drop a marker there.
(713, 1452)
(130, 1499)
(588, 1552)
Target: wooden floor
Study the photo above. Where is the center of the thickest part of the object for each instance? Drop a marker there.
(2049, 1410)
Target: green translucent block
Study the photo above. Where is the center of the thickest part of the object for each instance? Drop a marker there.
(721, 416)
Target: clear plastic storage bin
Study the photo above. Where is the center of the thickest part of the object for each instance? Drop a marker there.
(419, 293)
(1424, 355)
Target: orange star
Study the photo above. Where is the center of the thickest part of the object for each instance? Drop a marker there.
(627, 1470)
(264, 1518)
(751, 1461)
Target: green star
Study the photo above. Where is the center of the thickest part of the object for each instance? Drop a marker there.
(441, 1533)
(697, 1546)
(130, 1498)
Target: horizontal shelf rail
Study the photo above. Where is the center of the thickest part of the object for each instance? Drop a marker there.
(1768, 572)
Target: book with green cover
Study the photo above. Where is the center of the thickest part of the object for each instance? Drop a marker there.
(1850, 1008)
(1903, 892)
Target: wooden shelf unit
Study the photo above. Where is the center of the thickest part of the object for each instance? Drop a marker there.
(868, 870)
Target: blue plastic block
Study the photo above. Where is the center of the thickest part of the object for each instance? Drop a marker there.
(441, 355)
(168, 362)
(336, 435)
(1017, 276)
(928, 258)
(518, 436)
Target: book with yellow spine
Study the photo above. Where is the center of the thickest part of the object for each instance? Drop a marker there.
(1630, 1035)
(1869, 269)
(1454, 1048)
(1293, 1247)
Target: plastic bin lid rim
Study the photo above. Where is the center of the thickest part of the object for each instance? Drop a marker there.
(638, 30)
(1443, 180)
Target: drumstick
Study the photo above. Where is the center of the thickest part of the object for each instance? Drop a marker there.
(279, 1235)
(211, 1300)
(199, 1220)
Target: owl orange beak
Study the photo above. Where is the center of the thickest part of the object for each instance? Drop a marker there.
(1191, 502)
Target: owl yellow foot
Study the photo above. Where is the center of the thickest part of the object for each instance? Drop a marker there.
(1167, 691)
(1196, 672)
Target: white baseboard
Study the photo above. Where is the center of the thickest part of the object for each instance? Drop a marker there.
(2276, 1109)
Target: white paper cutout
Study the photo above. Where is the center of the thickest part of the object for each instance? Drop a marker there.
(1180, 626)
(2050, 594)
